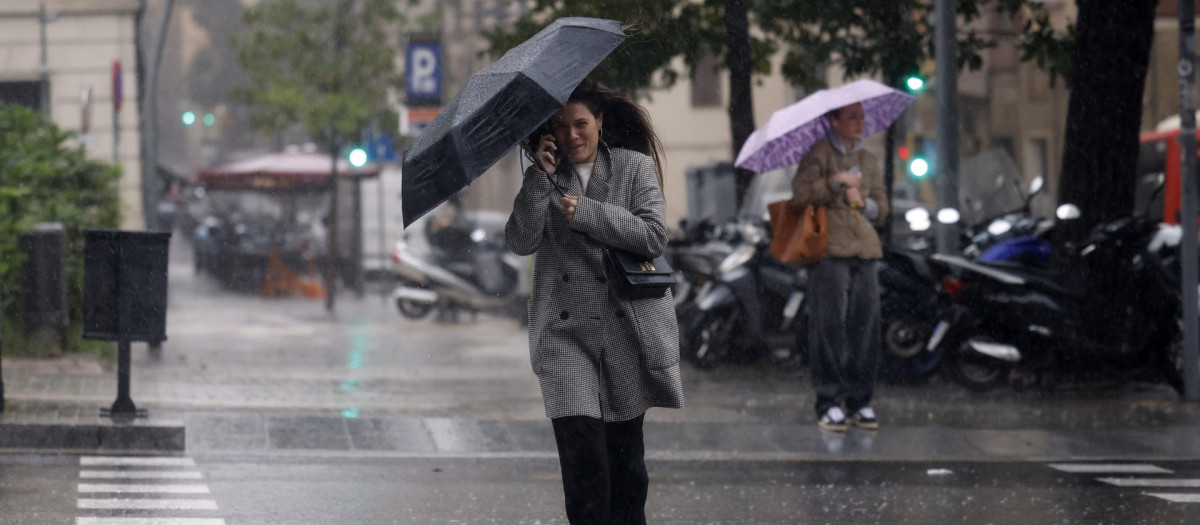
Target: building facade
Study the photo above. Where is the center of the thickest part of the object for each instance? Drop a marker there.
(72, 48)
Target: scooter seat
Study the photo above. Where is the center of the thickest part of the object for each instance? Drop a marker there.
(1066, 283)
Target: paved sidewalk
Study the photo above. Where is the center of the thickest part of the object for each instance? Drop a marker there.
(243, 374)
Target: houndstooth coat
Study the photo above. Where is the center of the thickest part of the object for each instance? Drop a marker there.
(595, 354)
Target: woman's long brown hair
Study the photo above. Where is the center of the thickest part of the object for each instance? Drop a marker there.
(626, 123)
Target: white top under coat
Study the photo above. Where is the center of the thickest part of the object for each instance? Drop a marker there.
(585, 174)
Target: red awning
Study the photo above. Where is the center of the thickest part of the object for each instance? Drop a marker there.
(281, 171)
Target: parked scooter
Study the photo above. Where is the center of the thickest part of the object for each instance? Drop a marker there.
(482, 276)
(752, 303)
(915, 309)
(915, 314)
(1116, 313)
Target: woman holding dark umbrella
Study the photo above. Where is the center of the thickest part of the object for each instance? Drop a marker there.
(601, 360)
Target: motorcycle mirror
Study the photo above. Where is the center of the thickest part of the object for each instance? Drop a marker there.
(1068, 212)
(948, 216)
(1036, 185)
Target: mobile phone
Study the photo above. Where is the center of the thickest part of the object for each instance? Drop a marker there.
(548, 129)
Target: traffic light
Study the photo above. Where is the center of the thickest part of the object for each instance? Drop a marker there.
(914, 83)
(189, 118)
(209, 119)
(918, 167)
(358, 157)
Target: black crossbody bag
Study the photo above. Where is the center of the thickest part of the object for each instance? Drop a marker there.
(633, 276)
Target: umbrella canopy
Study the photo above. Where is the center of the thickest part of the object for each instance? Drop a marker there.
(281, 171)
(791, 131)
(501, 105)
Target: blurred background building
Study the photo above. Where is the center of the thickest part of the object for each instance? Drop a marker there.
(63, 59)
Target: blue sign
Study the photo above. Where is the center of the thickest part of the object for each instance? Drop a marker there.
(380, 148)
(423, 73)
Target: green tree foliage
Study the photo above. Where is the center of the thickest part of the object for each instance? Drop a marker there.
(892, 38)
(659, 31)
(321, 65)
(43, 180)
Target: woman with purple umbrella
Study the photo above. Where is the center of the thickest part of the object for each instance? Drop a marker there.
(843, 293)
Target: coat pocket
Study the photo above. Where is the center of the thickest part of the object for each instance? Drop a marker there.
(657, 332)
(558, 338)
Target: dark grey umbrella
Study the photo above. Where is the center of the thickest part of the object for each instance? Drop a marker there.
(499, 107)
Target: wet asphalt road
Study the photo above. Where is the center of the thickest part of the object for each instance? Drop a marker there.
(37, 489)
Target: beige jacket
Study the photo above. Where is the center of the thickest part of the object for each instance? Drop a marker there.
(850, 233)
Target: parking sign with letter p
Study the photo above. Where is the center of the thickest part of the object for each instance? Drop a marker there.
(423, 74)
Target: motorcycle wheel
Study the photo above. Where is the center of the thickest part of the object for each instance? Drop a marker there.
(978, 374)
(412, 309)
(907, 327)
(710, 335)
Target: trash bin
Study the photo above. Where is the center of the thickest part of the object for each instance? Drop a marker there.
(125, 285)
(43, 297)
(711, 189)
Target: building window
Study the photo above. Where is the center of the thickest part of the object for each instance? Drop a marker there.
(706, 85)
(25, 94)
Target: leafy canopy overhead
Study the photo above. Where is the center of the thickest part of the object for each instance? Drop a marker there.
(659, 31)
(319, 65)
(891, 38)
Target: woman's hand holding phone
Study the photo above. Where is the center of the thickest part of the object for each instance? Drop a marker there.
(547, 154)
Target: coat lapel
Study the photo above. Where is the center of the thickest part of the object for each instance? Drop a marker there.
(597, 189)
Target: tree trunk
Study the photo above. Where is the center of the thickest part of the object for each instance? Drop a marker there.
(1107, 80)
(741, 106)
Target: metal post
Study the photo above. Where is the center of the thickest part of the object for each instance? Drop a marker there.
(44, 69)
(331, 231)
(1, 364)
(150, 183)
(383, 251)
(116, 136)
(947, 122)
(1188, 183)
(123, 406)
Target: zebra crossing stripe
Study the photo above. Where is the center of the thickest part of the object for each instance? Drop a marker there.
(139, 474)
(1109, 468)
(143, 489)
(149, 521)
(1176, 498)
(1152, 482)
(148, 504)
(120, 461)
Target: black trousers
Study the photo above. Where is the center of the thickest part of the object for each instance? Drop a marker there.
(843, 334)
(603, 469)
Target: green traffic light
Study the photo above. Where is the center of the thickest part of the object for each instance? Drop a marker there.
(918, 167)
(358, 157)
(914, 83)
(189, 118)
(209, 119)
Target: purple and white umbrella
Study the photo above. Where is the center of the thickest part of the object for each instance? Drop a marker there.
(791, 131)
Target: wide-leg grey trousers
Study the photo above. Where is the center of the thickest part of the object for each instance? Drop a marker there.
(843, 336)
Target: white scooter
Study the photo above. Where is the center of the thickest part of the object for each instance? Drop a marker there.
(491, 278)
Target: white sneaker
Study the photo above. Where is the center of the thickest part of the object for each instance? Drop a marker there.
(833, 420)
(864, 418)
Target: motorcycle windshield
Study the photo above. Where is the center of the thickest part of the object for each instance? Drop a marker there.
(989, 185)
